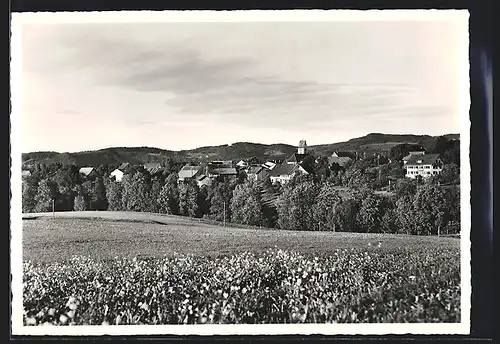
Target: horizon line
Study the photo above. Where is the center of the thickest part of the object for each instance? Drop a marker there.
(228, 144)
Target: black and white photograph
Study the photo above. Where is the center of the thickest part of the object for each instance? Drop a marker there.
(246, 172)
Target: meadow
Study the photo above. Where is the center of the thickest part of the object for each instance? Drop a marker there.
(132, 268)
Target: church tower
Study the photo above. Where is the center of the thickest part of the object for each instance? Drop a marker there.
(302, 149)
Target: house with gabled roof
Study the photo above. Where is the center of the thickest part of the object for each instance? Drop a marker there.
(257, 172)
(283, 173)
(117, 174)
(153, 167)
(221, 171)
(340, 160)
(122, 170)
(242, 164)
(425, 165)
(202, 180)
(188, 172)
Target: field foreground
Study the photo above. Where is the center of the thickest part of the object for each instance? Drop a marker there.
(95, 271)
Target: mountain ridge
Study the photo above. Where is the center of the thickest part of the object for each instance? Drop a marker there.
(370, 143)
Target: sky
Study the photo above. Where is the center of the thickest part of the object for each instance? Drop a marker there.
(182, 85)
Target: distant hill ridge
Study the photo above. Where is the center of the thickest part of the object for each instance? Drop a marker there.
(371, 143)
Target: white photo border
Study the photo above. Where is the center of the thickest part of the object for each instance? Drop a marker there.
(19, 19)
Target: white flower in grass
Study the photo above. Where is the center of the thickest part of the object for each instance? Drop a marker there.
(63, 319)
(30, 321)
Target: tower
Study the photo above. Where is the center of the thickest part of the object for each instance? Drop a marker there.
(302, 149)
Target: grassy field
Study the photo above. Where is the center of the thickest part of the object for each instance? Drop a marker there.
(105, 235)
(131, 268)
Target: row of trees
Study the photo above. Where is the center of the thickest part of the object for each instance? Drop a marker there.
(416, 208)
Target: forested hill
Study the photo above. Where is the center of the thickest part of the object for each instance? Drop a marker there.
(371, 143)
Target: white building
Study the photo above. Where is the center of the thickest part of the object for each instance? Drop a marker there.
(425, 165)
(302, 149)
(118, 174)
(283, 173)
(242, 164)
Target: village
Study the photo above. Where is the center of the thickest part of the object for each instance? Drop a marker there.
(416, 163)
(264, 193)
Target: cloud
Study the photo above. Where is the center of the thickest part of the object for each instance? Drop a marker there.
(228, 87)
(187, 75)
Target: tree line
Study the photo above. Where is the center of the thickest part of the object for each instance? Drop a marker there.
(332, 198)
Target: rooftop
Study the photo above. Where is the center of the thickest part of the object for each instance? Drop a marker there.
(188, 171)
(254, 169)
(153, 167)
(341, 160)
(86, 170)
(283, 170)
(124, 166)
(221, 170)
(406, 158)
(341, 154)
(296, 157)
(425, 159)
